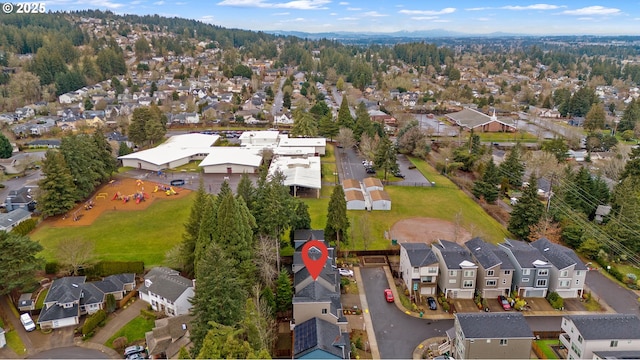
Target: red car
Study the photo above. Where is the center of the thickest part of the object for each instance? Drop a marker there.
(388, 294)
(504, 302)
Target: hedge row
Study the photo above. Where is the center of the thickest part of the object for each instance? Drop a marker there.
(92, 322)
(106, 268)
(25, 227)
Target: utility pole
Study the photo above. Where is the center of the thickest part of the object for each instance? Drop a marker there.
(550, 193)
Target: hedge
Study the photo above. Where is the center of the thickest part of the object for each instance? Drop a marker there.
(555, 300)
(25, 227)
(106, 268)
(93, 321)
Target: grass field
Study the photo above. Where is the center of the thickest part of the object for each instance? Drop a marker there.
(443, 201)
(545, 346)
(134, 330)
(126, 235)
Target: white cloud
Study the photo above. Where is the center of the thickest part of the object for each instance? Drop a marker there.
(428, 12)
(441, 21)
(85, 3)
(374, 14)
(158, 3)
(348, 18)
(353, 9)
(343, 3)
(281, 14)
(136, 2)
(585, 18)
(478, 8)
(636, 19)
(593, 10)
(333, 14)
(295, 4)
(424, 18)
(532, 7)
(207, 19)
(483, 19)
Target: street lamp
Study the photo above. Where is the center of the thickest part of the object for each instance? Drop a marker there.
(446, 165)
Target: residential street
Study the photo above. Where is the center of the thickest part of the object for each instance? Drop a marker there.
(622, 300)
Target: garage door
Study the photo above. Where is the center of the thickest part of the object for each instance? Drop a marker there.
(534, 293)
(64, 322)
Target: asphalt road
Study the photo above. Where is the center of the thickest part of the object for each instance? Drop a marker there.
(73, 352)
(622, 300)
(397, 334)
(350, 165)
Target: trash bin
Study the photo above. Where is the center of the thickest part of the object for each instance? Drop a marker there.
(394, 242)
(421, 313)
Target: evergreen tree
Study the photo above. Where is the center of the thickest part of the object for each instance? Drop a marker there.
(527, 211)
(386, 158)
(304, 125)
(630, 116)
(245, 190)
(57, 191)
(300, 219)
(192, 230)
(284, 292)
(512, 167)
(286, 100)
(327, 127)
(103, 155)
(18, 262)
(6, 150)
(207, 228)
(124, 149)
(632, 167)
(487, 186)
(363, 123)
(624, 223)
(224, 342)
(220, 296)
(344, 115)
(79, 152)
(337, 220)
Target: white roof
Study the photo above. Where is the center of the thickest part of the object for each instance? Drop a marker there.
(267, 135)
(301, 142)
(232, 155)
(303, 172)
(175, 148)
(294, 150)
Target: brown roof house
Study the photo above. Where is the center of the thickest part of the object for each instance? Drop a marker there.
(169, 335)
(470, 119)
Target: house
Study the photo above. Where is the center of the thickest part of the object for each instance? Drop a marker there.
(168, 336)
(26, 303)
(300, 237)
(380, 200)
(419, 269)
(351, 184)
(495, 271)
(471, 119)
(531, 268)
(20, 199)
(11, 219)
(568, 273)
(319, 339)
(602, 211)
(371, 184)
(178, 150)
(457, 276)
(504, 335)
(355, 200)
(282, 119)
(318, 301)
(167, 291)
(584, 336)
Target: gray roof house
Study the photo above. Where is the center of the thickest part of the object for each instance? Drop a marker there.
(531, 268)
(607, 336)
(568, 273)
(495, 273)
(167, 291)
(457, 277)
(316, 301)
(169, 335)
(20, 199)
(491, 336)
(419, 269)
(11, 219)
(319, 339)
(26, 303)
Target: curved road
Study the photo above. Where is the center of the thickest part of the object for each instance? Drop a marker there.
(73, 352)
(622, 300)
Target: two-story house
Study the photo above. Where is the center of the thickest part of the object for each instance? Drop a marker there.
(601, 336)
(568, 273)
(532, 269)
(490, 336)
(419, 269)
(319, 339)
(457, 276)
(495, 271)
(167, 291)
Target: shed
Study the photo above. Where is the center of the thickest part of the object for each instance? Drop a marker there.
(372, 183)
(355, 200)
(380, 200)
(350, 184)
(26, 303)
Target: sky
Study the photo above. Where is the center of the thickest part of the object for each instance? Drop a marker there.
(580, 17)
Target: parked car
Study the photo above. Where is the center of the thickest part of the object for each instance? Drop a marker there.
(388, 295)
(27, 322)
(371, 170)
(433, 305)
(177, 182)
(504, 302)
(132, 351)
(398, 174)
(345, 272)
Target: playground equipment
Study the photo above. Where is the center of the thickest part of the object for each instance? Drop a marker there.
(170, 191)
(117, 196)
(101, 196)
(89, 205)
(137, 197)
(139, 182)
(76, 215)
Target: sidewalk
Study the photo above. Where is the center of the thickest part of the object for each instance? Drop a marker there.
(371, 335)
(121, 318)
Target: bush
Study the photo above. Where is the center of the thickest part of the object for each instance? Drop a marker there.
(25, 227)
(555, 300)
(120, 343)
(148, 314)
(106, 268)
(359, 344)
(92, 322)
(51, 268)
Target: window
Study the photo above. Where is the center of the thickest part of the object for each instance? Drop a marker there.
(577, 281)
(427, 279)
(467, 284)
(504, 281)
(580, 339)
(469, 273)
(416, 270)
(432, 270)
(507, 272)
(452, 273)
(543, 272)
(565, 283)
(614, 343)
(491, 283)
(576, 350)
(504, 342)
(524, 280)
(578, 272)
(541, 282)
(526, 271)
(324, 311)
(490, 273)
(564, 273)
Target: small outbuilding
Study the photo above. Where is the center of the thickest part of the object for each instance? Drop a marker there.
(355, 200)
(372, 183)
(350, 184)
(380, 200)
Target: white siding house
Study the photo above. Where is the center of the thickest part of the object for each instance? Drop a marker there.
(167, 291)
(601, 336)
(419, 269)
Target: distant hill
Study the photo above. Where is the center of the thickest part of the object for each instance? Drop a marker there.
(422, 34)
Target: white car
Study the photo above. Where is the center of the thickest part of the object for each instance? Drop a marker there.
(345, 272)
(27, 322)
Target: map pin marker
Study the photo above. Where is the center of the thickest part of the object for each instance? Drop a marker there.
(314, 256)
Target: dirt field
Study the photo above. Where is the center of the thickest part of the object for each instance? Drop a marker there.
(103, 200)
(428, 230)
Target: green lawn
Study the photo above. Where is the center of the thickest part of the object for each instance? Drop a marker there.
(127, 235)
(41, 297)
(15, 343)
(442, 201)
(134, 330)
(545, 346)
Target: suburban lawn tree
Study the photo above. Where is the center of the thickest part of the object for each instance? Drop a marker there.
(386, 158)
(304, 125)
(344, 115)
(79, 152)
(345, 138)
(57, 191)
(595, 118)
(337, 220)
(527, 211)
(104, 155)
(327, 127)
(75, 254)
(487, 186)
(192, 230)
(6, 150)
(18, 262)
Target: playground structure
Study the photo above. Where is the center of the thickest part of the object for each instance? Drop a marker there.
(137, 197)
(166, 189)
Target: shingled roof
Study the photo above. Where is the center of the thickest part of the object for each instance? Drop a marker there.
(607, 326)
(420, 254)
(508, 325)
(483, 252)
(560, 256)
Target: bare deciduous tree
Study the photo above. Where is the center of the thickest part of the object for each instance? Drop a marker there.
(266, 259)
(368, 146)
(267, 326)
(345, 138)
(75, 254)
(546, 228)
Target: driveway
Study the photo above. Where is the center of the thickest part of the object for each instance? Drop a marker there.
(621, 299)
(350, 166)
(412, 177)
(397, 333)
